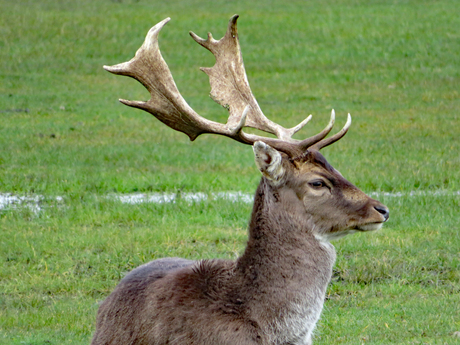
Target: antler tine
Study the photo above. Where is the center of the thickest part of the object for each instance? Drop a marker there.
(128, 68)
(295, 148)
(306, 143)
(328, 141)
(297, 128)
(166, 102)
(229, 83)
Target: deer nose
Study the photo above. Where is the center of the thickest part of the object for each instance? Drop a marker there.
(384, 211)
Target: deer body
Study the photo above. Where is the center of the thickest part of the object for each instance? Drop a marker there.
(274, 292)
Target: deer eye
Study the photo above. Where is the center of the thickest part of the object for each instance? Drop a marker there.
(317, 184)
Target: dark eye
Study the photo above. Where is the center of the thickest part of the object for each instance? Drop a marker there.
(317, 184)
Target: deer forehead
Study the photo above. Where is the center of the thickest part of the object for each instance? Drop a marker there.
(314, 164)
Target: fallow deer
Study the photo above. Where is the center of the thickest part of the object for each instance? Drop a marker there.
(274, 292)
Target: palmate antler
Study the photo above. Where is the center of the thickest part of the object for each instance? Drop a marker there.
(229, 88)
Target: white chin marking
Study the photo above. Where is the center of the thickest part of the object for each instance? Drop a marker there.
(334, 235)
(370, 227)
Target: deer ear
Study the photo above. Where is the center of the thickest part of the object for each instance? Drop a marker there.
(269, 161)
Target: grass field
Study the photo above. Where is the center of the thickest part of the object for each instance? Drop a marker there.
(394, 65)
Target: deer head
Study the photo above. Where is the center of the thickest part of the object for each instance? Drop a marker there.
(311, 188)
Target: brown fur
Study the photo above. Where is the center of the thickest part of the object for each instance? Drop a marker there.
(272, 294)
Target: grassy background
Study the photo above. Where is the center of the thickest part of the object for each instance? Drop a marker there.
(392, 64)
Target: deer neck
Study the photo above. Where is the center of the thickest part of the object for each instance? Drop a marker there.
(284, 267)
(281, 231)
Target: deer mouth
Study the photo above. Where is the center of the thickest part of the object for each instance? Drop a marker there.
(369, 227)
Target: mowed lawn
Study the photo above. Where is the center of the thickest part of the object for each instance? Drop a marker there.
(64, 137)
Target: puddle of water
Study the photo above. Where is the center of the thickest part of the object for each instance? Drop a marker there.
(161, 198)
(9, 201)
(157, 198)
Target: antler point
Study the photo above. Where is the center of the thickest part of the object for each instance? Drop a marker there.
(121, 68)
(232, 26)
(164, 21)
(110, 69)
(332, 120)
(348, 121)
(242, 122)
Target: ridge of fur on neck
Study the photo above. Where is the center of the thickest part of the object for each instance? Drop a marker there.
(281, 240)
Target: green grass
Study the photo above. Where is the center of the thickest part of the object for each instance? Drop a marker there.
(392, 64)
